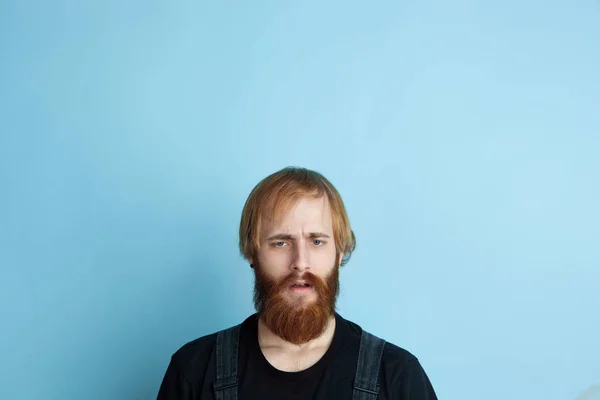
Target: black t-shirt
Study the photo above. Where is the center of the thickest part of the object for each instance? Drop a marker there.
(191, 372)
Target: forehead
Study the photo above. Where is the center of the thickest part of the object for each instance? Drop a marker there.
(307, 213)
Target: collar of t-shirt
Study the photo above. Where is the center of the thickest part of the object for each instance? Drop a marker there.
(249, 339)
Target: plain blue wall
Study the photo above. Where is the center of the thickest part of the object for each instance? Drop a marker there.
(464, 137)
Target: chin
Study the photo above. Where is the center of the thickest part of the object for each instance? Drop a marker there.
(301, 301)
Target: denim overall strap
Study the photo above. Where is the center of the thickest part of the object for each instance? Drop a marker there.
(226, 382)
(366, 386)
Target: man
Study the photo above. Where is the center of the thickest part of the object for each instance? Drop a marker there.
(295, 233)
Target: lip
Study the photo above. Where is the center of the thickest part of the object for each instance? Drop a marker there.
(301, 282)
(301, 289)
(300, 286)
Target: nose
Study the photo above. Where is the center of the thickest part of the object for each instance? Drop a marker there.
(301, 260)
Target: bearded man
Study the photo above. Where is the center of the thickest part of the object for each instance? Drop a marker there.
(296, 235)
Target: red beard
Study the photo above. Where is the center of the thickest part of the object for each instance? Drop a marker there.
(292, 319)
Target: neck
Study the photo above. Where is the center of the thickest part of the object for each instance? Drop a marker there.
(267, 339)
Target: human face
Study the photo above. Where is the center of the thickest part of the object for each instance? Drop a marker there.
(300, 241)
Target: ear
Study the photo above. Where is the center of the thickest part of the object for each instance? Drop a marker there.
(340, 258)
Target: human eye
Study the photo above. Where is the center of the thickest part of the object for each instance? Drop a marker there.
(279, 244)
(318, 242)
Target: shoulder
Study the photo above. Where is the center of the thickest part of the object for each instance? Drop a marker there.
(398, 359)
(403, 374)
(391, 352)
(192, 358)
(398, 363)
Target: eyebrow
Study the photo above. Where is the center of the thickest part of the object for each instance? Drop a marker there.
(287, 236)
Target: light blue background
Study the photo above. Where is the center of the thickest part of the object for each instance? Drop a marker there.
(464, 137)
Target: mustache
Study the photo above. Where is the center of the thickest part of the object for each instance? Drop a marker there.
(267, 287)
(307, 277)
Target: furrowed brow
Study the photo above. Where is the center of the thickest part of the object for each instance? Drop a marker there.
(281, 236)
(315, 235)
(287, 236)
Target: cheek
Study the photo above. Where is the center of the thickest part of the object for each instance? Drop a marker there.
(324, 261)
(274, 256)
(323, 258)
(274, 265)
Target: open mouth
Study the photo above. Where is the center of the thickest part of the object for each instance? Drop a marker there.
(301, 285)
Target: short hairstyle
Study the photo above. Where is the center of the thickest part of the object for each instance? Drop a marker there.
(277, 193)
